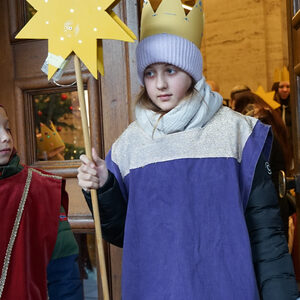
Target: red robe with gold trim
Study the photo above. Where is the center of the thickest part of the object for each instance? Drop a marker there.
(37, 232)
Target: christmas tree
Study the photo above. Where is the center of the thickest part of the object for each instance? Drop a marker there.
(52, 107)
(56, 111)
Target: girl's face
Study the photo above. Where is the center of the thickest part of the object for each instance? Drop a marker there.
(6, 141)
(166, 85)
(284, 89)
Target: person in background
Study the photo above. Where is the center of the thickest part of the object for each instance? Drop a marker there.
(234, 93)
(250, 104)
(38, 251)
(215, 88)
(282, 96)
(281, 86)
(186, 189)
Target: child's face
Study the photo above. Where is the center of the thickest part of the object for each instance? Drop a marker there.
(284, 89)
(6, 141)
(166, 85)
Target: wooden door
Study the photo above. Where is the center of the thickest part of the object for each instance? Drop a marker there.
(293, 14)
(23, 84)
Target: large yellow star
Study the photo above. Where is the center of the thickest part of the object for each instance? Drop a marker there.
(74, 26)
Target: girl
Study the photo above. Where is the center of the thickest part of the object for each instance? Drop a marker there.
(38, 252)
(252, 105)
(186, 190)
(282, 95)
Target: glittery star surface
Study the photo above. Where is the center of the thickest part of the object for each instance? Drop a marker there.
(75, 26)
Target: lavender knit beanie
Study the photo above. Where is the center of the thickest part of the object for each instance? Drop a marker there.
(171, 49)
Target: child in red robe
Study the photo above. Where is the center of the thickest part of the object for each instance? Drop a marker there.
(38, 251)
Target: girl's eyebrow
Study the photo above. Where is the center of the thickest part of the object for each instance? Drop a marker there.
(171, 66)
(148, 69)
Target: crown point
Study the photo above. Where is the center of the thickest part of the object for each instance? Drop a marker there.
(172, 19)
(281, 74)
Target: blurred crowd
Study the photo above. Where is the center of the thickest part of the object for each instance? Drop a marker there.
(273, 108)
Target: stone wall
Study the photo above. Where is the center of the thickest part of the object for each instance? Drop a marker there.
(244, 41)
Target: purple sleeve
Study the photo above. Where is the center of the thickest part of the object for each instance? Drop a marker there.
(259, 143)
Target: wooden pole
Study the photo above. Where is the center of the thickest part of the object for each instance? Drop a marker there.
(88, 149)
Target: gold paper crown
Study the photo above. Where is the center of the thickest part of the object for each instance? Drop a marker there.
(267, 97)
(170, 18)
(281, 75)
(49, 141)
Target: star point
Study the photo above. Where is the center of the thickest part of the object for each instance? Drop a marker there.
(75, 26)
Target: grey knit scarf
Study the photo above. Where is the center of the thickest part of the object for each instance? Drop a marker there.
(192, 112)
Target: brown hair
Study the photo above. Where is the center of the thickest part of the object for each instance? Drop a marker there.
(247, 97)
(251, 104)
(239, 89)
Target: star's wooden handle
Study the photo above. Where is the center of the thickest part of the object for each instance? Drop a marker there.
(88, 151)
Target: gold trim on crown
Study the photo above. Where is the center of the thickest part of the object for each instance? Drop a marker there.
(170, 18)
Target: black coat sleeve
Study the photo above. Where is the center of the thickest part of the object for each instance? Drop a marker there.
(112, 208)
(272, 262)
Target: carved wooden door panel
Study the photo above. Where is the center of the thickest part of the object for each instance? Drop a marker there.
(40, 111)
(293, 11)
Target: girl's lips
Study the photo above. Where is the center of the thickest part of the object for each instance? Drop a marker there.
(5, 150)
(164, 97)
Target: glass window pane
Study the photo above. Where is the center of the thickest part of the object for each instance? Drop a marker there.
(296, 6)
(58, 128)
